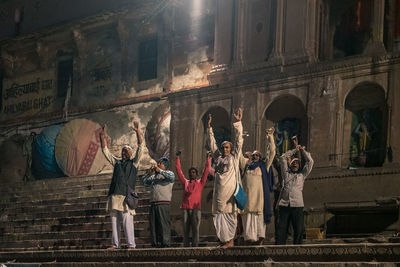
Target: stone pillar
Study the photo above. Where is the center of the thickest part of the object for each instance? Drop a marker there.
(123, 33)
(223, 33)
(276, 57)
(396, 45)
(241, 30)
(312, 30)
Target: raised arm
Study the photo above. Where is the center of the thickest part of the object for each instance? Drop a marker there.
(309, 162)
(284, 163)
(147, 181)
(270, 147)
(139, 137)
(168, 175)
(206, 170)
(106, 152)
(238, 128)
(179, 170)
(210, 136)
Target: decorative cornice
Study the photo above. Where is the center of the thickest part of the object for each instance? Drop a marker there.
(264, 74)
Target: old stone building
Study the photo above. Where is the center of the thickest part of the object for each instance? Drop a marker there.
(324, 70)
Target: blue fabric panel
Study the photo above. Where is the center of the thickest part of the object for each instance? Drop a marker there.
(44, 163)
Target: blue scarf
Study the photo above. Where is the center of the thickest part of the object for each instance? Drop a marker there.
(268, 183)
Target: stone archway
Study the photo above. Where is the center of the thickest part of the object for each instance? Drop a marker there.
(221, 124)
(288, 115)
(365, 126)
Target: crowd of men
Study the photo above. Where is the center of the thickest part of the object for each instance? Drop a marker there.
(232, 169)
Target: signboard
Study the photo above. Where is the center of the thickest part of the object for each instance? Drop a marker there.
(29, 94)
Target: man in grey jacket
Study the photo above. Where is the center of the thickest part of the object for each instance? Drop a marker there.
(291, 203)
(160, 183)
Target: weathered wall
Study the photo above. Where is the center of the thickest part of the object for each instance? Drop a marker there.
(44, 13)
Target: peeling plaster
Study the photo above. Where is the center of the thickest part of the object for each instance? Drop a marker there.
(195, 76)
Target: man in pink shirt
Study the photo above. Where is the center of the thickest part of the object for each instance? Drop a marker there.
(191, 203)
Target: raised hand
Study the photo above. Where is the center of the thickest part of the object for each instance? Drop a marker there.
(238, 115)
(103, 134)
(270, 131)
(136, 126)
(295, 141)
(104, 129)
(209, 120)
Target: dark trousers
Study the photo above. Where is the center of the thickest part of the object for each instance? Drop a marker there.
(160, 225)
(191, 223)
(287, 216)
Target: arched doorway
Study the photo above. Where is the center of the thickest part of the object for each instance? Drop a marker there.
(366, 121)
(221, 124)
(287, 114)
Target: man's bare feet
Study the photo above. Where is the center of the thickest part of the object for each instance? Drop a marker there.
(228, 244)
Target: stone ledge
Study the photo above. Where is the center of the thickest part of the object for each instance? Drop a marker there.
(387, 252)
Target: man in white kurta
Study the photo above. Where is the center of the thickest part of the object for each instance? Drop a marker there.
(227, 175)
(254, 224)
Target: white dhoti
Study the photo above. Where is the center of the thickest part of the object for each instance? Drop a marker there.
(225, 226)
(253, 226)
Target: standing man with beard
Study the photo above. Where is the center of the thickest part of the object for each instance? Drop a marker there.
(227, 175)
(125, 173)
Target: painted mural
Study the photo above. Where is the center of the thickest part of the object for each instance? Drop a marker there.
(73, 148)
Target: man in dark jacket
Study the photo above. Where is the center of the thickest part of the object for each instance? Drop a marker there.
(125, 173)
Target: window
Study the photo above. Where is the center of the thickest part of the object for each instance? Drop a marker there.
(353, 27)
(147, 60)
(64, 75)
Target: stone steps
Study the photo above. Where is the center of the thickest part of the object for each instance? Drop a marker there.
(28, 205)
(61, 224)
(66, 206)
(21, 197)
(329, 253)
(216, 264)
(64, 213)
(86, 241)
(61, 214)
(56, 226)
(67, 182)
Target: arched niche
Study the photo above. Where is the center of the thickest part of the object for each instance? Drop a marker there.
(221, 125)
(287, 114)
(365, 131)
